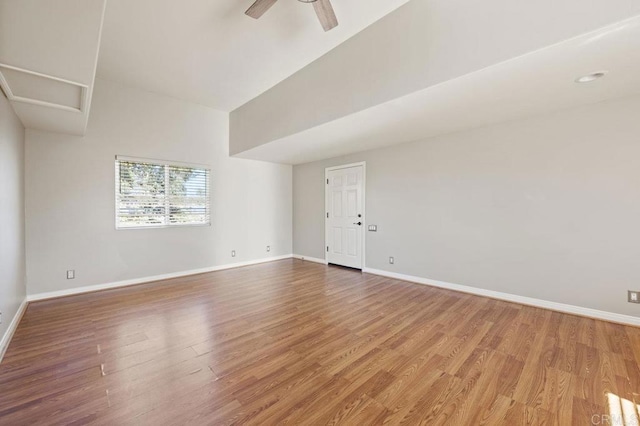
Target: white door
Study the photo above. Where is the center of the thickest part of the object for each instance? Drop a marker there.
(345, 216)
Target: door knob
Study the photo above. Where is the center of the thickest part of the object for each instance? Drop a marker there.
(358, 223)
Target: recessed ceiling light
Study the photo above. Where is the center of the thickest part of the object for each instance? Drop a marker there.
(591, 77)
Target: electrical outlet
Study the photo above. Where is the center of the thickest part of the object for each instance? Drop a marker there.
(233, 253)
(71, 274)
(633, 296)
(392, 260)
(373, 228)
(268, 248)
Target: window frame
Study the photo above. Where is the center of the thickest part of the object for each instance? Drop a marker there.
(157, 162)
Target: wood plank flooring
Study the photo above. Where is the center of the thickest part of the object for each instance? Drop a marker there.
(293, 342)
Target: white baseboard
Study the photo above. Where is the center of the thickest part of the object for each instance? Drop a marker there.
(6, 339)
(310, 259)
(530, 301)
(106, 286)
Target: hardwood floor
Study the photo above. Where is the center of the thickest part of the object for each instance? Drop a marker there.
(297, 342)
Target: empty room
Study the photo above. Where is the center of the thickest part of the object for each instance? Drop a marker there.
(348, 212)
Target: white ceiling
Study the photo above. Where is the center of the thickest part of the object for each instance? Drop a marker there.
(209, 52)
(539, 82)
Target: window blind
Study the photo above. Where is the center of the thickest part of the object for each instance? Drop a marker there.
(152, 193)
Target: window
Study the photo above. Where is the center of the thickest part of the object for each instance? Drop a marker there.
(152, 193)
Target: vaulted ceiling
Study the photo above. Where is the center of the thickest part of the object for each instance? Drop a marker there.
(210, 52)
(203, 51)
(393, 71)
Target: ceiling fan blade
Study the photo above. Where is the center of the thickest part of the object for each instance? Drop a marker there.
(259, 7)
(325, 13)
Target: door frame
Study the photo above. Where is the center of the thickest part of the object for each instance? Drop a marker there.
(364, 207)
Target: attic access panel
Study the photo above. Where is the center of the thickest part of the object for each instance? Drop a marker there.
(31, 87)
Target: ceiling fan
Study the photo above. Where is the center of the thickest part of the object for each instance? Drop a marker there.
(322, 7)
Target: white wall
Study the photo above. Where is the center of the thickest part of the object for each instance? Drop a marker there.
(547, 207)
(12, 245)
(70, 195)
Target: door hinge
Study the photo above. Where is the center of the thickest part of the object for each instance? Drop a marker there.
(327, 248)
(327, 215)
(327, 181)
